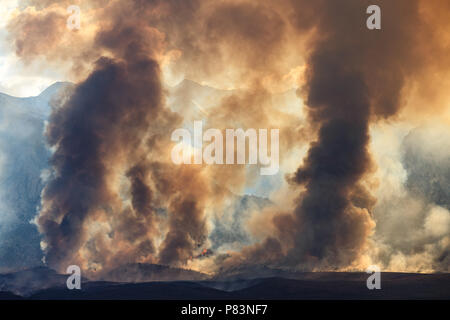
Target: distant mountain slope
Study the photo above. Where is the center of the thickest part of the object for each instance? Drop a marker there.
(23, 156)
(195, 100)
(37, 107)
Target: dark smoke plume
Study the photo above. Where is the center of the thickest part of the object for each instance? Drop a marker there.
(109, 125)
(104, 119)
(354, 74)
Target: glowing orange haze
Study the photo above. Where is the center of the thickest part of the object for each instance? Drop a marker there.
(114, 175)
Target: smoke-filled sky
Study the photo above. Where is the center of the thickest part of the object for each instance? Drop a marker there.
(363, 117)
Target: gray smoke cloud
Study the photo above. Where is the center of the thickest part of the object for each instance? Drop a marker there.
(413, 222)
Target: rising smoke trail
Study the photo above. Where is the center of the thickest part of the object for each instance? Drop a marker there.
(106, 132)
(103, 120)
(354, 76)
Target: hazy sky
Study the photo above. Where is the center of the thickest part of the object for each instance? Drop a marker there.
(16, 78)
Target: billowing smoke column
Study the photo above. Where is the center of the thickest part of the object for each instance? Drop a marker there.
(328, 221)
(354, 75)
(107, 132)
(104, 120)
